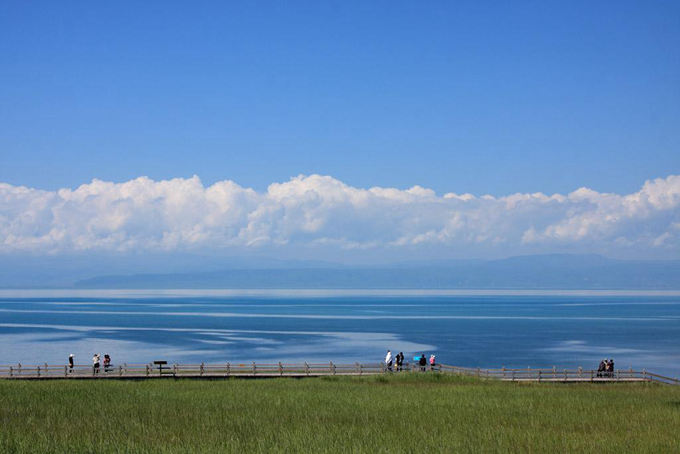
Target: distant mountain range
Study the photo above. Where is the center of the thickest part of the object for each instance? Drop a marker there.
(558, 271)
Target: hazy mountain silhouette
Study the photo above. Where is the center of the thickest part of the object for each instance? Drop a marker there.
(557, 271)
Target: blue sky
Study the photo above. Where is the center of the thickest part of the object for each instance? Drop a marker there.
(495, 97)
(318, 129)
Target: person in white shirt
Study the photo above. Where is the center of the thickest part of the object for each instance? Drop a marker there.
(95, 363)
(388, 360)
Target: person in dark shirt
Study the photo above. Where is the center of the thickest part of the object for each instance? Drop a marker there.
(610, 366)
(601, 368)
(422, 362)
(70, 363)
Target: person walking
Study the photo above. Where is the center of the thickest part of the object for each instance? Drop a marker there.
(432, 362)
(606, 368)
(400, 361)
(388, 360)
(95, 363)
(70, 363)
(610, 366)
(601, 368)
(107, 362)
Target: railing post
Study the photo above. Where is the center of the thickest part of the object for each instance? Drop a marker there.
(361, 369)
(357, 368)
(120, 370)
(513, 375)
(306, 368)
(332, 368)
(38, 369)
(19, 368)
(11, 371)
(644, 374)
(503, 368)
(202, 368)
(591, 375)
(65, 371)
(254, 368)
(554, 372)
(580, 372)
(148, 371)
(228, 369)
(47, 370)
(565, 374)
(539, 375)
(174, 370)
(280, 368)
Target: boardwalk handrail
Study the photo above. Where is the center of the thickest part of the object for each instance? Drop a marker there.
(252, 369)
(663, 379)
(555, 374)
(226, 369)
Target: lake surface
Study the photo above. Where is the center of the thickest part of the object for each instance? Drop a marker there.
(485, 329)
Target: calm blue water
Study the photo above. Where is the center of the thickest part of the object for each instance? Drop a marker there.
(486, 330)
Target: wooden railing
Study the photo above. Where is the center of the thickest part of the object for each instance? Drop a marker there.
(190, 370)
(253, 369)
(561, 375)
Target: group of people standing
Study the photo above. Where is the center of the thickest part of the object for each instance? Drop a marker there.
(96, 363)
(606, 368)
(96, 360)
(422, 362)
(398, 361)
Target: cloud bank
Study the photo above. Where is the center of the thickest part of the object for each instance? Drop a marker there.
(322, 212)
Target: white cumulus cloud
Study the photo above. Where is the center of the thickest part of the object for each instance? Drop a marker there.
(321, 211)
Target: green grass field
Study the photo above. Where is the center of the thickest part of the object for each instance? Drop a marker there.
(406, 413)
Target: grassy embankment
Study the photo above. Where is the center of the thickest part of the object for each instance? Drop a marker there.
(408, 413)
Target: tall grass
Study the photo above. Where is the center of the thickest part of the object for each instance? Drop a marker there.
(400, 413)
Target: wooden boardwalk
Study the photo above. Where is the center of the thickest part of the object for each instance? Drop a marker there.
(224, 370)
(579, 375)
(257, 370)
